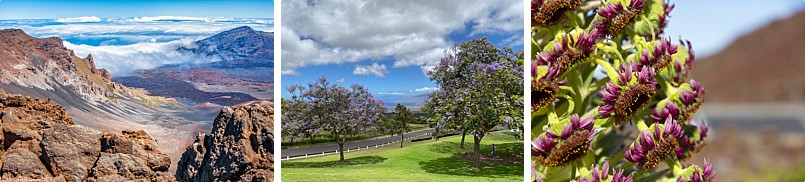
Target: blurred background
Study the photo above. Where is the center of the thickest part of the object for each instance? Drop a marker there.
(750, 57)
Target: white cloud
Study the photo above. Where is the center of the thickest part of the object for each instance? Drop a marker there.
(390, 93)
(145, 26)
(340, 80)
(425, 89)
(413, 33)
(374, 69)
(84, 19)
(122, 60)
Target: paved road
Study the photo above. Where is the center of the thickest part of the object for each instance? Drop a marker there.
(295, 152)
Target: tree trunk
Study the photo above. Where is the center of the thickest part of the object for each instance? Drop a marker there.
(402, 139)
(477, 152)
(463, 134)
(341, 150)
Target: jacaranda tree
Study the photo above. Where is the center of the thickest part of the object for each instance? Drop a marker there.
(480, 87)
(621, 124)
(340, 111)
(296, 123)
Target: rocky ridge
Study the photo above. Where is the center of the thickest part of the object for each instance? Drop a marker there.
(40, 142)
(239, 148)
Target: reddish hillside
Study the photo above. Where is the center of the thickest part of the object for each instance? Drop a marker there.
(764, 66)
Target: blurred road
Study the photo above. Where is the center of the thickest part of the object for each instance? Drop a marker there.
(302, 151)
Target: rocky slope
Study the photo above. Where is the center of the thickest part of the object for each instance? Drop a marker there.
(242, 46)
(44, 68)
(764, 66)
(40, 143)
(239, 148)
(47, 65)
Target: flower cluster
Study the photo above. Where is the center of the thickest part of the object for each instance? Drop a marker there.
(600, 175)
(617, 16)
(654, 145)
(705, 174)
(631, 92)
(572, 143)
(563, 57)
(660, 57)
(545, 14)
(691, 144)
(662, 21)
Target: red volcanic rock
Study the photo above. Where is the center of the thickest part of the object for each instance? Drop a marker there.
(40, 143)
(239, 148)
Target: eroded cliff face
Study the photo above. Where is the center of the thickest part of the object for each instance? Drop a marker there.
(239, 148)
(40, 142)
(46, 64)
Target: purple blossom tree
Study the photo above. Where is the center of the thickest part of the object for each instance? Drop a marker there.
(338, 110)
(480, 87)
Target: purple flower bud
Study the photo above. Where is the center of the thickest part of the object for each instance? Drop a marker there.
(543, 143)
(703, 128)
(625, 74)
(672, 109)
(636, 4)
(606, 110)
(646, 140)
(566, 131)
(672, 128)
(609, 11)
(645, 58)
(708, 174)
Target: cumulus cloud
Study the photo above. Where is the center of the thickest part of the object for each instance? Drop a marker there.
(425, 89)
(342, 80)
(124, 59)
(374, 69)
(413, 33)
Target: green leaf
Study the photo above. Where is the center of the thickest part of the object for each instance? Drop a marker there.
(641, 126)
(611, 73)
(654, 177)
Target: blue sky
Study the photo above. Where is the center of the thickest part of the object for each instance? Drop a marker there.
(45, 9)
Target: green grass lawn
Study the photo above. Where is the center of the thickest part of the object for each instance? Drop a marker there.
(418, 161)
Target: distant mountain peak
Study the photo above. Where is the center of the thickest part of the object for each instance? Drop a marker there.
(238, 46)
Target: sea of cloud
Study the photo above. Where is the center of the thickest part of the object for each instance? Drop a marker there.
(125, 45)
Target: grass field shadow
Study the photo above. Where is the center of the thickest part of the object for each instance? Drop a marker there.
(455, 165)
(347, 162)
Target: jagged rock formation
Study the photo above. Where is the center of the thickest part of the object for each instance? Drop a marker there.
(40, 143)
(239, 148)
